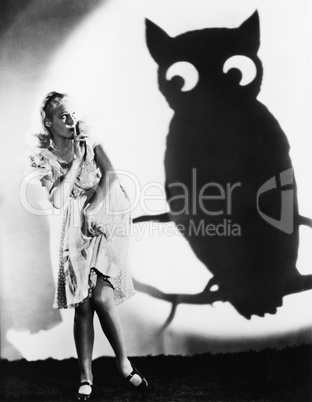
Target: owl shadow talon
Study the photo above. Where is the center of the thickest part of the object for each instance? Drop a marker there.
(207, 296)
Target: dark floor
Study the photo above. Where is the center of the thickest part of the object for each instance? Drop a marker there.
(265, 376)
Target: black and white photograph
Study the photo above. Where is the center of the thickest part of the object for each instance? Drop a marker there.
(156, 200)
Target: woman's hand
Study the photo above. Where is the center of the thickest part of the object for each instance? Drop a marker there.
(91, 225)
(80, 146)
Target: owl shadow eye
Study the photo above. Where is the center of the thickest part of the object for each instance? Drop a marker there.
(244, 66)
(177, 83)
(234, 76)
(186, 73)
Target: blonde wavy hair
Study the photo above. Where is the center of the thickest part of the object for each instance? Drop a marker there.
(50, 103)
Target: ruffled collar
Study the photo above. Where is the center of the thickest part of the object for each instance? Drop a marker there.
(54, 161)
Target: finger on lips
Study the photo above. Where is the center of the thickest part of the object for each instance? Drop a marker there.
(81, 137)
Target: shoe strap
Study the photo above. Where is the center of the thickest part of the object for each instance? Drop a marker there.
(130, 375)
(85, 383)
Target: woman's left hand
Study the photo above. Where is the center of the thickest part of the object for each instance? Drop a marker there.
(92, 226)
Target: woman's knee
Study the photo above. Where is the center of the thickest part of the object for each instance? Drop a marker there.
(103, 295)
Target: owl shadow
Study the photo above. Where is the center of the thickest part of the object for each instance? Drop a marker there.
(230, 183)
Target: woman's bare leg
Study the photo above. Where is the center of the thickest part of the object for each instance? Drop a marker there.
(84, 339)
(106, 310)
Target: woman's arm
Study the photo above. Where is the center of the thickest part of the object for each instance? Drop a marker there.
(62, 188)
(108, 175)
(107, 179)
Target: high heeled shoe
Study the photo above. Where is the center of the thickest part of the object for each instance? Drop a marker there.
(84, 397)
(143, 384)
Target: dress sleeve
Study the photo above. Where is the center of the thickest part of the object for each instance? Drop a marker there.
(93, 142)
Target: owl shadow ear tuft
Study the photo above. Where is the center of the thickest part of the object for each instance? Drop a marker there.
(157, 40)
(250, 30)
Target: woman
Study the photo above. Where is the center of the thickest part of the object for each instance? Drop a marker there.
(93, 270)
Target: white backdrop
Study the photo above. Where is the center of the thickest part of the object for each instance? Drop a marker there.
(105, 64)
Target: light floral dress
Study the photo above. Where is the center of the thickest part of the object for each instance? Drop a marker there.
(84, 258)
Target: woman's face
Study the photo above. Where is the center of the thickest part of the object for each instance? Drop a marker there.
(63, 121)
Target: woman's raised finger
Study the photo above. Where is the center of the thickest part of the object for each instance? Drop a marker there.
(81, 137)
